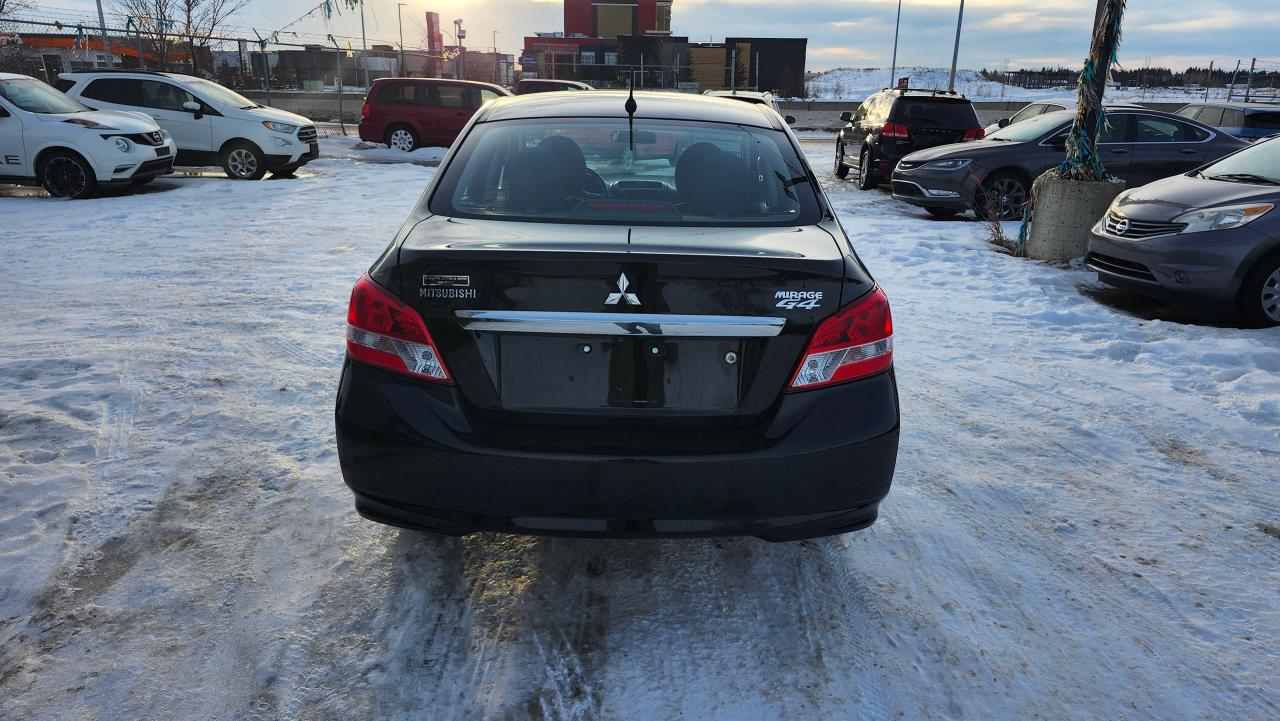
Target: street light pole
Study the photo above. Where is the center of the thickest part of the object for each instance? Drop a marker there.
(106, 46)
(364, 47)
(955, 54)
(400, 19)
(497, 71)
(893, 67)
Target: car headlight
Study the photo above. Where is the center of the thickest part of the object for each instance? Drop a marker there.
(279, 127)
(1232, 216)
(947, 164)
(165, 134)
(122, 144)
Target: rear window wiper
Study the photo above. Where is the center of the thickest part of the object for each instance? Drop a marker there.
(1245, 178)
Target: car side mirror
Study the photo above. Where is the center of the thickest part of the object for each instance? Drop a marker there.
(194, 108)
(1003, 122)
(791, 119)
(846, 117)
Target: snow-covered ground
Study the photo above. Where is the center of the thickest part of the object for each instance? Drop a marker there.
(1084, 523)
(857, 83)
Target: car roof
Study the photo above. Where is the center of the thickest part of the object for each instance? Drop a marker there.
(611, 104)
(116, 72)
(925, 93)
(1234, 105)
(738, 94)
(14, 76)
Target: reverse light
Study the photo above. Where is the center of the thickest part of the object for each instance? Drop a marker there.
(856, 342)
(974, 134)
(279, 127)
(894, 130)
(386, 333)
(1222, 218)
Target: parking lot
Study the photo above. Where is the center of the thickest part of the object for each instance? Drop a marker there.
(1084, 524)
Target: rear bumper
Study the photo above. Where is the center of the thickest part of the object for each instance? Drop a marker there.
(414, 458)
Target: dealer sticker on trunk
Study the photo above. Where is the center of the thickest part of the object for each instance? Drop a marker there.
(791, 299)
(447, 287)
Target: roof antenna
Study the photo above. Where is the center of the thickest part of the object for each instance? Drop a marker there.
(631, 112)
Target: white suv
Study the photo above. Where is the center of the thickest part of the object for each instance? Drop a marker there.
(211, 124)
(49, 139)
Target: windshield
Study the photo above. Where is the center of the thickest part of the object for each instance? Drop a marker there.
(665, 172)
(215, 93)
(1260, 160)
(35, 96)
(1031, 128)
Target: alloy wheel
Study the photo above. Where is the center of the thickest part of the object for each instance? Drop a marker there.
(64, 177)
(863, 170)
(839, 157)
(1009, 195)
(242, 162)
(402, 140)
(1270, 296)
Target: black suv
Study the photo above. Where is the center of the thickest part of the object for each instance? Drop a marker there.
(894, 123)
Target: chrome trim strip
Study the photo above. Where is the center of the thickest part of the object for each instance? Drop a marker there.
(620, 324)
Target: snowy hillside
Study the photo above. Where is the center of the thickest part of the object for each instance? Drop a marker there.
(858, 83)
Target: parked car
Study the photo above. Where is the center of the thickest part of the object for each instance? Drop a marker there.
(750, 96)
(534, 85)
(211, 124)
(1211, 235)
(1138, 146)
(1027, 112)
(602, 324)
(894, 123)
(1243, 120)
(411, 113)
(58, 143)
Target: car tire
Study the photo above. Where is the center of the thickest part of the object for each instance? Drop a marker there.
(1010, 192)
(842, 168)
(1259, 301)
(938, 212)
(866, 176)
(402, 137)
(243, 161)
(64, 174)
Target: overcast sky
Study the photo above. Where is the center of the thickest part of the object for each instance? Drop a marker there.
(1016, 33)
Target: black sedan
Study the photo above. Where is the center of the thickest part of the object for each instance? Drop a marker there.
(1139, 146)
(609, 323)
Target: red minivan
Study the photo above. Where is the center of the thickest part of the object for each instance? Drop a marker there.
(410, 113)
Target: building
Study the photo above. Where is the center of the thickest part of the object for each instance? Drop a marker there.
(44, 55)
(616, 18)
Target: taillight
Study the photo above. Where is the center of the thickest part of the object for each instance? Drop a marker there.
(854, 343)
(384, 332)
(974, 134)
(364, 110)
(894, 130)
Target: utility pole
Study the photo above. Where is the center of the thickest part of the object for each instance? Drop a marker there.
(106, 46)
(1248, 87)
(1231, 88)
(497, 72)
(733, 69)
(955, 54)
(404, 71)
(893, 66)
(364, 47)
(338, 59)
(1208, 81)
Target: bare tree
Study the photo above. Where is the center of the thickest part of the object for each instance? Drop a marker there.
(161, 22)
(152, 20)
(13, 7)
(201, 19)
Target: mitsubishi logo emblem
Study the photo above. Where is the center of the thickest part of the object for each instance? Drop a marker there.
(622, 294)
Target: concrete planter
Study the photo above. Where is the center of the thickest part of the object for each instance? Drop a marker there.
(1062, 214)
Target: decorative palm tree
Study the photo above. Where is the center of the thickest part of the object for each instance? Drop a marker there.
(1082, 162)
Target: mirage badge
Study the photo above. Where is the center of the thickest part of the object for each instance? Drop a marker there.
(793, 299)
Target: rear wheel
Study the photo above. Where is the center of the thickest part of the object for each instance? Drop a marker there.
(66, 175)
(1259, 301)
(1003, 196)
(938, 212)
(402, 137)
(243, 161)
(842, 169)
(866, 176)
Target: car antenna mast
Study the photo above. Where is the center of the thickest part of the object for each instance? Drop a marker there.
(631, 111)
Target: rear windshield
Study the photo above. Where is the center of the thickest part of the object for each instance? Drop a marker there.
(948, 114)
(661, 172)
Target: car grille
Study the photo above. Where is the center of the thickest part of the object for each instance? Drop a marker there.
(148, 139)
(1119, 266)
(159, 166)
(308, 134)
(1123, 227)
(907, 189)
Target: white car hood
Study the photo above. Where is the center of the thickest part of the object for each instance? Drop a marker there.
(265, 113)
(123, 121)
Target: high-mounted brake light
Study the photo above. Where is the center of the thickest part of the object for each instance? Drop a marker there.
(895, 130)
(384, 332)
(854, 343)
(974, 134)
(364, 110)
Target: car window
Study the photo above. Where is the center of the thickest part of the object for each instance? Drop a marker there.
(1263, 121)
(63, 85)
(1210, 116)
(398, 93)
(661, 172)
(1028, 112)
(1031, 129)
(1149, 129)
(120, 91)
(1232, 118)
(164, 96)
(487, 96)
(935, 113)
(1190, 111)
(1118, 129)
(446, 96)
(35, 96)
(215, 93)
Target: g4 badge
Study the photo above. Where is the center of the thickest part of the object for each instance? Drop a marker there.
(792, 299)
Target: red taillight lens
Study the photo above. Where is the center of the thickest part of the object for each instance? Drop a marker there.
(384, 332)
(974, 134)
(364, 109)
(894, 130)
(854, 343)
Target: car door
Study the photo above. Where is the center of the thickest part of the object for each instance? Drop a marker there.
(1115, 148)
(447, 107)
(13, 156)
(164, 102)
(1163, 146)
